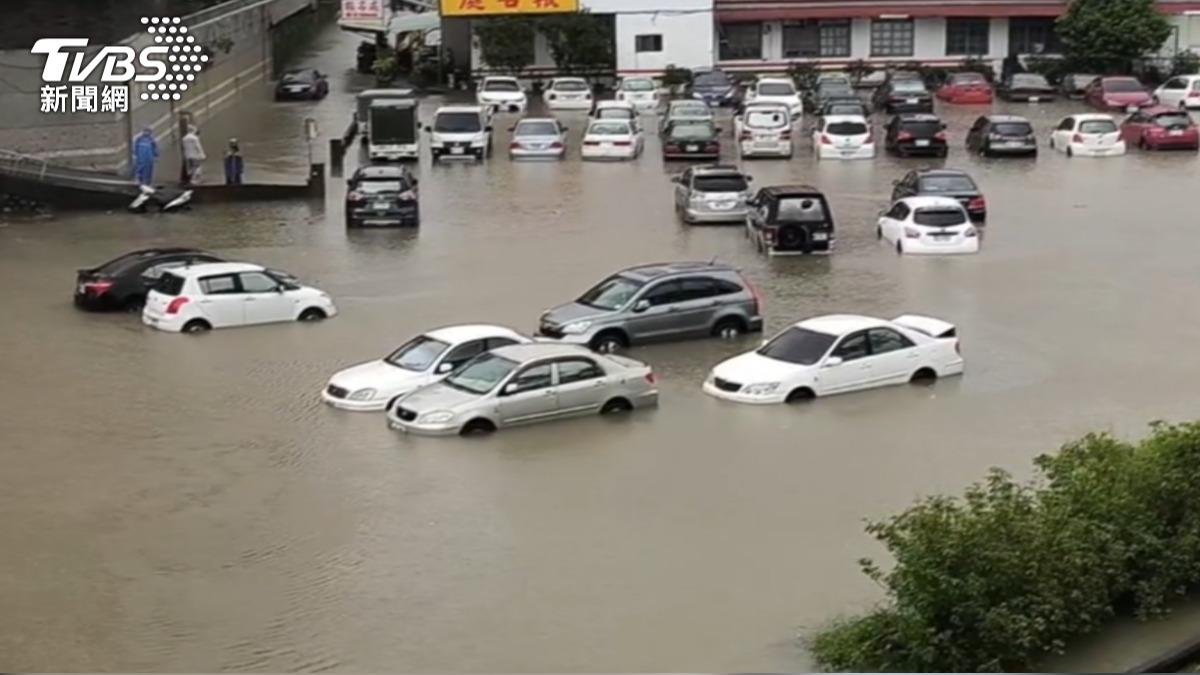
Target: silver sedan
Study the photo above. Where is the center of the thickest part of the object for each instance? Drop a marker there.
(538, 137)
(520, 384)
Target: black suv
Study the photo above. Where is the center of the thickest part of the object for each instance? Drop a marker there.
(1002, 135)
(382, 195)
(903, 95)
(915, 134)
(790, 219)
(943, 183)
(122, 283)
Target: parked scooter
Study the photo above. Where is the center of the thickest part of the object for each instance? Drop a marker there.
(167, 199)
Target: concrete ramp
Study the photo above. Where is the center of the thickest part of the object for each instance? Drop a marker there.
(62, 187)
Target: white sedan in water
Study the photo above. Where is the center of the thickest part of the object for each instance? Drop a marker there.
(837, 354)
(568, 93)
(928, 225)
(612, 139)
(422, 360)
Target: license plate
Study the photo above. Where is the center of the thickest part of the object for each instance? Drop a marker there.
(820, 236)
(912, 101)
(1014, 144)
(1034, 99)
(1175, 132)
(693, 148)
(923, 143)
(723, 206)
(380, 206)
(457, 150)
(538, 146)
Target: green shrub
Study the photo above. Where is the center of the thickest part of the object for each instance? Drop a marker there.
(674, 76)
(1010, 572)
(804, 74)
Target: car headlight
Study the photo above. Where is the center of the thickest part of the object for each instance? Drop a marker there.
(436, 417)
(363, 395)
(576, 327)
(760, 389)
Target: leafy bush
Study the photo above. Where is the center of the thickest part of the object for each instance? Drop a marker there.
(804, 74)
(859, 69)
(1185, 63)
(1010, 572)
(506, 43)
(674, 76)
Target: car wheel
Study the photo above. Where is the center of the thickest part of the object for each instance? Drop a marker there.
(1070, 152)
(924, 376)
(983, 151)
(899, 248)
(800, 395)
(312, 314)
(1052, 144)
(945, 152)
(615, 406)
(476, 426)
(878, 232)
(609, 342)
(197, 326)
(134, 303)
(728, 328)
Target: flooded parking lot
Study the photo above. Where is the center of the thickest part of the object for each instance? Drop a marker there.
(179, 503)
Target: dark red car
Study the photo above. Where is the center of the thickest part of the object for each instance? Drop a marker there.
(1161, 128)
(969, 88)
(1121, 93)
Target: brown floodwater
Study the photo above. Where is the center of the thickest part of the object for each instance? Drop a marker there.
(188, 504)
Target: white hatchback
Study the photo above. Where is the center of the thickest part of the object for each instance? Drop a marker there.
(640, 92)
(1088, 135)
(612, 139)
(928, 225)
(568, 93)
(425, 359)
(221, 295)
(843, 137)
(1181, 92)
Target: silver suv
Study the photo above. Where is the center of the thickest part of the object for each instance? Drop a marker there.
(657, 302)
(712, 194)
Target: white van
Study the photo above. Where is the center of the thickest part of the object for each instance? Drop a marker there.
(764, 130)
(461, 131)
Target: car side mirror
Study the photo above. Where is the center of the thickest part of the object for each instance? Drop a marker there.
(565, 129)
(445, 367)
(717, 129)
(945, 126)
(641, 306)
(488, 128)
(428, 128)
(281, 288)
(509, 389)
(415, 182)
(749, 179)
(513, 128)
(832, 362)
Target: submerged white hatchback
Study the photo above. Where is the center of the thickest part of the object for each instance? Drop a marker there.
(423, 360)
(928, 226)
(837, 354)
(221, 295)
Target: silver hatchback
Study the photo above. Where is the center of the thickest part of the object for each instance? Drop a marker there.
(520, 384)
(657, 302)
(712, 194)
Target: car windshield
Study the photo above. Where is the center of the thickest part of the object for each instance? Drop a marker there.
(767, 119)
(481, 374)
(1082, 80)
(937, 184)
(1012, 129)
(1030, 80)
(169, 284)
(1179, 119)
(501, 85)
(908, 86)
(614, 113)
(720, 184)
(608, 129)
(846, 128)
(417, 354)
(1097, 127)
(570, 85)
(844, 109)
(638, 85)
(828, 89)
(798, 345)
(800, 210)
(940, 217)
(373, 187)
(921, 129)
(691, 110)
(711, 79)
(692, 131)
(612, 293)
(297, 78)
(457, 122)
(536, 129)
(776, 89)
(1122, 85)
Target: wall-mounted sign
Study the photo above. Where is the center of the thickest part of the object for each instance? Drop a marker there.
(500, 7)
(365, 14)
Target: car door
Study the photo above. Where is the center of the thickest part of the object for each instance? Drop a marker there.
(894, 358)
(683, 189)
(222, 302)
(529, 395)
(459, 355)
(264, 299)
(1131, 128)
(582, 386)
(1172, 92)
(853, 371)
(1061, 136)
(973, 136)
(891, 225)
(697, 307)
(654, 313)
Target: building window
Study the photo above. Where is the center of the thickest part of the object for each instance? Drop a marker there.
(647, 43)
(816, 39)
(892, 37)
(967, 36)
(741, 41)
(1033, 36)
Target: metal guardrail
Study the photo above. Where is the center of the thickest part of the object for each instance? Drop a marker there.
(16, 164)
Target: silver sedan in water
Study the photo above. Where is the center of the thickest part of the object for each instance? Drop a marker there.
(520, 384)
(538, 137)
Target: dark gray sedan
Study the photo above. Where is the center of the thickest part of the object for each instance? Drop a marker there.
(521, 384)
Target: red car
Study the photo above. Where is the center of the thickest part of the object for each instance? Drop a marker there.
(1121, 93)
(971, 88)
(1161, 128)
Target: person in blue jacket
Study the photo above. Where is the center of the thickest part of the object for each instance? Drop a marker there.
(145, 154)
(234, 164)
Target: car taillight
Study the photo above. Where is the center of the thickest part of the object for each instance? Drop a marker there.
(785, 135)
(1077, 138)
(970, 232)
(556, 145)
(623, 143)
(745, 136)
(514, 145)
(712, 146)
(550, 97)
(904, 136)
(912, 233)
(651, 378)
(176, 304)
(1193, 94)
(977, 204)
(591, 142)
(407, 196)
(97, 287)
(759, 305)
(870, 137)
(941, 136)
(825, 140)
(671, 147)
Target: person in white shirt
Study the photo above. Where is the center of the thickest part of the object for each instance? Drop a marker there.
(193, 155)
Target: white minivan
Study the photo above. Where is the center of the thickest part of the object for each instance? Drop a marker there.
(461, 131)
(198, 298)
(764, 130)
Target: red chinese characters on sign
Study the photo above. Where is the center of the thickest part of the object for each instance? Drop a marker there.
(471, 6)
(362, 9)
(546, 4)
(493, 7)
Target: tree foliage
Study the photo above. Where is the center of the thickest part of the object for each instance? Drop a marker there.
(1107, 35)
(506, 43)
(579, 41)
(1010, 572)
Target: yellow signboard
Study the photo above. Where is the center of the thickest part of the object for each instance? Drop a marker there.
(497, 7)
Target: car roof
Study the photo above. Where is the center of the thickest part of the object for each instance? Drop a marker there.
(460, 109)
(1084, 117)
(918, 117)
(791, 190)
(610, 120)
(500, 78)
(541, 350)
(1110, 78)
(636, 77)
(931, 201)
(717, 170)
(613, 104)
(382, 171)
(472, 331)
(1006, 118)
(776, 79)
(840, 324)
(208, 269)
(1155, 110)
(845, 118)
(923, 173)
(650, 271)
(568, 79)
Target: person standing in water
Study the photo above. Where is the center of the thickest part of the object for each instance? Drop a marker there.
(235, 166)
(145, 154)
(193, 155)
